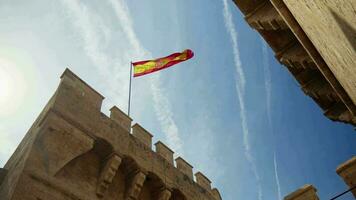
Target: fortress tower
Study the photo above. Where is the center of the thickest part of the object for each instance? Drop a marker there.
(346, 170)
(73, 152)
(316, 41)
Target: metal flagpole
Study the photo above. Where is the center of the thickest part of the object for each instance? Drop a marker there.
(128, 110)
(349, 190)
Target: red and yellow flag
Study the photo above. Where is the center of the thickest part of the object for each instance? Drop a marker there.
(149, 66)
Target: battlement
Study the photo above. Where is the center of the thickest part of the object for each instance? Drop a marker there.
(347, 171)
(307, 192)
(74, 139)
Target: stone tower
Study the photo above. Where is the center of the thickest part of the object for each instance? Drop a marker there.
(346, 170)
(73, 151)
(316, 41)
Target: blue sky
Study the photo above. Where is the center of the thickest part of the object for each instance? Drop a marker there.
(232, 111)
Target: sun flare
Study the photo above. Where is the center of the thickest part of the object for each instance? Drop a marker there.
(12, 88)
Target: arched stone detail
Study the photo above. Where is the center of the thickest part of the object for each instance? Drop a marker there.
(81, 173)
(177, 195)
(154, 189)
(109, 170)
(57, 146)
(86, 170)
(117, 187)
(134, 178)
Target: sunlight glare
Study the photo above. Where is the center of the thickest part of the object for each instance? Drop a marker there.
(12, 88)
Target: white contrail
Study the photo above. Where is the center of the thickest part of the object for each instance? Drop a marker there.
(165, 116)
(240, 89)
(91, 33)
(268, 88)
(94, 32)
(162, 105)
(268, 81)
(277, 178)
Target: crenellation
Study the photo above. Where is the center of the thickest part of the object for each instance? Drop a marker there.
(164, 151)
(121, 118)
(142, 134)
(307, 192)
(347, 171)
(81, 152)
(184, 167)
(203, 181)
(85, 92)
(215, 192)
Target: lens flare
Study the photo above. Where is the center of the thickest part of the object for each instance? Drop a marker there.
(12, 88)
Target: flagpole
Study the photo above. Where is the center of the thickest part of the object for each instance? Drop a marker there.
(129, 104)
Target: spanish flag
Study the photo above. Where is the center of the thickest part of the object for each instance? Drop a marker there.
(149, 66)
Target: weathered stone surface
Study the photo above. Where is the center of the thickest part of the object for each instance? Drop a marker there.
(107, 174)
(296, 31)
(307, 192)
(73, 151)
(347, 171)
(216, 194)
(337, 47)
(142, 134)
(203, 181)
(184, 167)
(164, 195)
(3, 173)
(121, 118)
(164, 151)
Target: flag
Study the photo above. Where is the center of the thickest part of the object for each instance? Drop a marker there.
(149, 66)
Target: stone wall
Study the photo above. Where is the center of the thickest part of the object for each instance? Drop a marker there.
(73, 151)
(346, 170)
(331, 26)
(321, 60)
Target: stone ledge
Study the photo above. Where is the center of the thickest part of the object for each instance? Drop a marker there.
(184, 167)
(347, 164)
(216, 194)
(164, 151)
(121, 118)
(67, 72)
(203, 181)
(142, 134)
(302, 191)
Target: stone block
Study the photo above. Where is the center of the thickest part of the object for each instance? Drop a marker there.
(184, 167)
(203, 181)
(142, 134)
(307, 192)
(164, 151)
(73, 89)
(347, 171)
(215, 192)
(3, 173)
(121, 118)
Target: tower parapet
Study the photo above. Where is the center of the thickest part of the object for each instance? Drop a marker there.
(307, 192)
(347, 171)
(165, 152)
(74, 151)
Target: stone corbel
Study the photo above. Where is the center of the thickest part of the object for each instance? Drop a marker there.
(135, 186)
(107, 174)
(164, 194)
